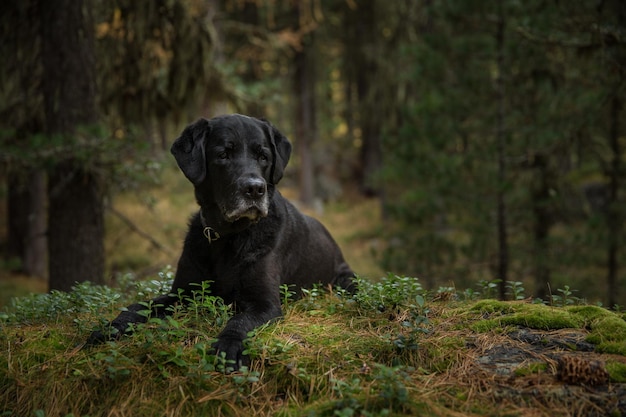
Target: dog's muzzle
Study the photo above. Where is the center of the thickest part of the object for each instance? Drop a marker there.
(253, 212)
(251, 201)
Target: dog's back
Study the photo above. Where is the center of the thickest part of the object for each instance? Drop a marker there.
(311, 254)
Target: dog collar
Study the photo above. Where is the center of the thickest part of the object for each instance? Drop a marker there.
(211, 234)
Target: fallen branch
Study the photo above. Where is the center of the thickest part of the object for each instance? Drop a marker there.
(132, 226)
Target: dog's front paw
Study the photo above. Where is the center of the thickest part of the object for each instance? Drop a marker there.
(118, 327)
(232, 351)
(96, 338)
(111, 332)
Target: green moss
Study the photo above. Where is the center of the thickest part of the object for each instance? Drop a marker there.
(607, 329)
(542, 318)
(590, 313)
(493, 306)
(608, 332)
(484, 326)
(535, 316)
(617, 371)
(611, 329)
(616, 348)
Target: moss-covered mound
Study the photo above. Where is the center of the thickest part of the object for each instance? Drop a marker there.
(394, 349)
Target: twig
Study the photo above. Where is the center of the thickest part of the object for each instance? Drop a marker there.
(132, 226)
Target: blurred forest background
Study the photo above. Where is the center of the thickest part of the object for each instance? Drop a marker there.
(488, 137)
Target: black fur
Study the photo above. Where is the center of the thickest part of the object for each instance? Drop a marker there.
(258, 239)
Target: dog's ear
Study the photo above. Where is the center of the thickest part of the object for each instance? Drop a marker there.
(189, 151)
(281, 151)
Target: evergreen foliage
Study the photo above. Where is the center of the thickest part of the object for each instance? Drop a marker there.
(441, 171)
(493, 134)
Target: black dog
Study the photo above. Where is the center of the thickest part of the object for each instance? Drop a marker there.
(246, 239)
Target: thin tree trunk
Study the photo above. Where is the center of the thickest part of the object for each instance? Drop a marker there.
(503, 249)
(18, 207)
(36, 253)
(27, 223)
(366, 79)
(304, 79)
(370, 155)
(614, 214)
(215, 104)
(543, 223)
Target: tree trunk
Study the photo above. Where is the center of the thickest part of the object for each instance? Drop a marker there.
(306, 132)
(35, 255)
(75, 211)
(76, 227)
(216, 104)
(370, 155)
(27, 223)
(366, 79)
(543, 223)
(614, 213)
(26, 199)
(18, 207)
(503, 248)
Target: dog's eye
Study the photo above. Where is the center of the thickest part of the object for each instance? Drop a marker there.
(262, 158)
(222, 155)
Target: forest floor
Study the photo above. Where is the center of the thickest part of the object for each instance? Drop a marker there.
(394, 349)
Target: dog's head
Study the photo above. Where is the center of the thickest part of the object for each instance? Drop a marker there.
(233, 162)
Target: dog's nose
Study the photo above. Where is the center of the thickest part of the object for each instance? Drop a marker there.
(254, 188)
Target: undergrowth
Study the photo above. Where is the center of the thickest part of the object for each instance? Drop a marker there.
(388, 350)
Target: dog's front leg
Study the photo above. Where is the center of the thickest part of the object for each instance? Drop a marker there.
(135, 313)
(252, 315)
